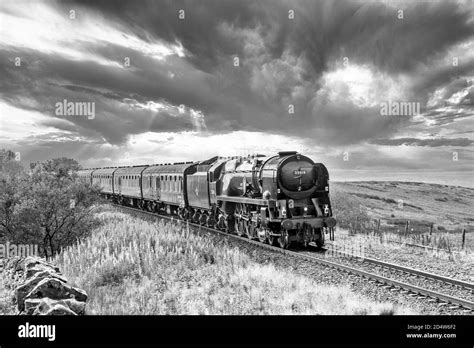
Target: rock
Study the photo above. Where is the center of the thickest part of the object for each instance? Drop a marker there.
(76, 306)
(32, 265)
(39, 288)
(37, 269)
(42, 306)
(56, 290)
(32, 303)
(25, 289)
(56, 310)
(15, 264)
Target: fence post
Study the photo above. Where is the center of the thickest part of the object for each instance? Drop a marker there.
(463, 237)
(406, 228)
(431, 229)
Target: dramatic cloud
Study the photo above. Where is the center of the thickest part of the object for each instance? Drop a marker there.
(308, 74)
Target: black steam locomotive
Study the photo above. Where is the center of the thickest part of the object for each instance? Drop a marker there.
(279, 199)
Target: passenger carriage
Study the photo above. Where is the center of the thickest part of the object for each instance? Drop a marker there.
(127, 185)
(86, 174)
(163, 186)
(104, 178)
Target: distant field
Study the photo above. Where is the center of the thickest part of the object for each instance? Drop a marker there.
(448, 208)
(134, 266)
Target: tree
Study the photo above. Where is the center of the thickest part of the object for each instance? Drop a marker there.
(8, 163)
(60, 166)
(48, 207)
(6, 155)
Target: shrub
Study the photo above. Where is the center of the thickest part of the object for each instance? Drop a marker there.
(49, 208)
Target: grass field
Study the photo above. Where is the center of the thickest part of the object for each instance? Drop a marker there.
(448, 208)
(133, 266)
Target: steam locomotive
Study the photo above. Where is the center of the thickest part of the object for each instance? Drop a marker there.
(281, 199)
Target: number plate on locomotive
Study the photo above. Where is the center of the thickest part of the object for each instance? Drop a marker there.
(299, 172)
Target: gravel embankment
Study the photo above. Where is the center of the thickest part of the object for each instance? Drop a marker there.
(455, 265)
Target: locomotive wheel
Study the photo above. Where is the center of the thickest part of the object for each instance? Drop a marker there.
(186, 214)
(252, 230)
(210, 222)
(247, 229)
(230, 228)
(221, 223)
(272, 240)
(284, 239)
(239, 226)
(203, 219)
(262, 239)
(320, 241)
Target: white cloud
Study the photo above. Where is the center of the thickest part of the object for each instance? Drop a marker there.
(18, 124)
(361, 85)
(35, 25)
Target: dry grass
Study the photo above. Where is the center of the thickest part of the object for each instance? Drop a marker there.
(132, 266)
(7, 306)
(359, 206)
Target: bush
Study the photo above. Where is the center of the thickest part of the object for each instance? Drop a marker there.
(45, 207)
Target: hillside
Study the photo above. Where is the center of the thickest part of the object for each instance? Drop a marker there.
(447, 207)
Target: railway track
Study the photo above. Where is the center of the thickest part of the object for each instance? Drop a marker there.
(387, 282)
(409, 270)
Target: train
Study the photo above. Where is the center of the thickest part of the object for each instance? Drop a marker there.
(281, 199)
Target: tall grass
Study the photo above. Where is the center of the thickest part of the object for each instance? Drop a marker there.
(132, 266)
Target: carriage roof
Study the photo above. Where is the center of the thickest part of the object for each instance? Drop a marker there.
(168, 168)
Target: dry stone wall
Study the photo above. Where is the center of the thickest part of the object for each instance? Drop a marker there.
(39, 288)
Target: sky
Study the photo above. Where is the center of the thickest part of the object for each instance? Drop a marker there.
(188, 80)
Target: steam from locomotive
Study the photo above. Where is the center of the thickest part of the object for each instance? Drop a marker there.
(279, 199)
